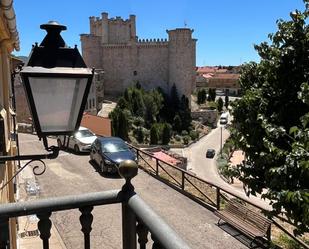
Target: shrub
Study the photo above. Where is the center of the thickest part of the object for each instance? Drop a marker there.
(194, 135)
(138, 121)
(177, 138)
(184, 133)
(186, 139)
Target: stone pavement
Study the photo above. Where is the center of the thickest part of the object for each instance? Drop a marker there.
(28, 234)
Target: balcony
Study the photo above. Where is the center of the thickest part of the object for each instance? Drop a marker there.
(138, 219)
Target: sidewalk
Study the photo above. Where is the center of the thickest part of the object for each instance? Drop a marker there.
(28, 234)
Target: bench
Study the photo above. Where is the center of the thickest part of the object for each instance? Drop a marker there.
(245, 220)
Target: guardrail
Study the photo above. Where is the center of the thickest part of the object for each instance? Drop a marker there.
(207, 193)
(138, 219)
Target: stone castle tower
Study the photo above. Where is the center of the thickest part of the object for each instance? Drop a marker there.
(113, 46)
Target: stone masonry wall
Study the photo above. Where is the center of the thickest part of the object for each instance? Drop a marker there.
(113, 46)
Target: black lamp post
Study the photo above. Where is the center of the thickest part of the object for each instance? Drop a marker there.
(57, 82)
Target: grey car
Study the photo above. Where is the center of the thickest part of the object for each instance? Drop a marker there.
(109, 152)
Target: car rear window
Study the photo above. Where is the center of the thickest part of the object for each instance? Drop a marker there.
(111, 147)
(83, 133)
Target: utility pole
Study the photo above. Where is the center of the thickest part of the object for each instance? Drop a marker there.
(221, 143)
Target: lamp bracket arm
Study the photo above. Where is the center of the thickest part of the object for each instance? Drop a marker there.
(54, 154)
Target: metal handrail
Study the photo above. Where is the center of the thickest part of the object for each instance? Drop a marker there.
(223, 188)
(161, 231)
(163, 234)
(60, 203)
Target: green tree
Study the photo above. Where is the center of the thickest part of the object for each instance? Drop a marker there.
(120, 123)
(166, 133)
(173, 102)
(154, 134)
(177, 124)
(137, 102)
(122, 103)
(201, 96)
(226, 101)
(139, 134)
(153, 102)
(271, 121)
(185, 113)
(220, 104)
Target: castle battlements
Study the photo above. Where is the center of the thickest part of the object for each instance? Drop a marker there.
(114, 46)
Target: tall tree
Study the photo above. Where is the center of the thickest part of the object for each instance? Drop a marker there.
(173, 101)
(154, 134)
(220, 104)
(226, 101)
(271, 121)
(185, 113)
(166, 133)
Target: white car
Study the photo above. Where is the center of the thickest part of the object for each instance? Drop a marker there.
(80, 142)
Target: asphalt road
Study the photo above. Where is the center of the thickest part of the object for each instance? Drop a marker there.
(206, 168)
(72, 174)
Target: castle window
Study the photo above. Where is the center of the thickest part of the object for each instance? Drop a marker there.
(135, 73)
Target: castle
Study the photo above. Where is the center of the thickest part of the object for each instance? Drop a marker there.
(113, 46)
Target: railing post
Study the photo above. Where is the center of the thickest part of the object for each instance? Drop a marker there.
(86, 220)
(156, 244)
(128, 169)
(268, 234)
(44, 226)
(218, 198)
(157, 167)
(182, 180)
(142, 233)
(128, 227)
(137, 155)
(4, 233)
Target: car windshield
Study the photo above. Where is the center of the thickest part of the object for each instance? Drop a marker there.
(83, 133)
(111, 147)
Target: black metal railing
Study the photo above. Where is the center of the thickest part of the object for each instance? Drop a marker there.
(138, 219)
(206, 193)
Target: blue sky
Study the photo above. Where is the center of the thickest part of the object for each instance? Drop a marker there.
(226, 30)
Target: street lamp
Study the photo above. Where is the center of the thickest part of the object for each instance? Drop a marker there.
(56, 82)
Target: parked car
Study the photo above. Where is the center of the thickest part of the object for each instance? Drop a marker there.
(109, 152)
(80, 142)
(224, 118)
(210, 153)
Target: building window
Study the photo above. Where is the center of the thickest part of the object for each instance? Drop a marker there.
(134, 73)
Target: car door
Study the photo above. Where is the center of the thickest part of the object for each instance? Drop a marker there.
(71, 142)
(96, 151)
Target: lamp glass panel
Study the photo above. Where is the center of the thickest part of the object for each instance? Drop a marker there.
(57, 101)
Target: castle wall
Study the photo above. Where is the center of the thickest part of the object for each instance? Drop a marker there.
(114, 47)
(91, 50)
(152, 65)
(116, 62)
(124, 65)
(181, 62)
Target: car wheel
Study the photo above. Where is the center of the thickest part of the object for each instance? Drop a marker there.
(76, 149)
(102, 167)
(59, 143)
